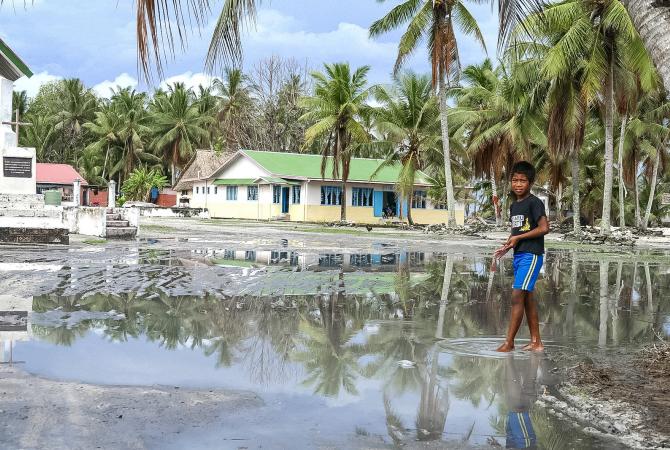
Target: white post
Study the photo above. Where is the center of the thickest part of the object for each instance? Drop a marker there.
(76, 192)
(111, 194)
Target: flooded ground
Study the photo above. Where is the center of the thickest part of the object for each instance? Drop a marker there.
(369, 345)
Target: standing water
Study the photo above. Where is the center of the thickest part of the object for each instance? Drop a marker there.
(348, 349)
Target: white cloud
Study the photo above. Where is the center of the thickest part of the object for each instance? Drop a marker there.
(277, 33)
(190, 80)
(104, 88)
(32, 85)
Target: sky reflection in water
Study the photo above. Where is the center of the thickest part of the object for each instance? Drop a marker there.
(405, 356)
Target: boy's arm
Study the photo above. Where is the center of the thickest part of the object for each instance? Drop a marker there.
(539, 231)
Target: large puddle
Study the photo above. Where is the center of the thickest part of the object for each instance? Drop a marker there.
(392, 345)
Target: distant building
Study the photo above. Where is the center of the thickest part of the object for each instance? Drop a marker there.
(202, 166)
(288, 186)
(61, 177)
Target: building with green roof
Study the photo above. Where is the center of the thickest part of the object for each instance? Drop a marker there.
(288, 186)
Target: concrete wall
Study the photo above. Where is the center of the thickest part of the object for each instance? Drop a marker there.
(11, 185)
(200, 213)
(90, 221)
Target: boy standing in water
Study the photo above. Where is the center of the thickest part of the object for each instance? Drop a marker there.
(529, 225)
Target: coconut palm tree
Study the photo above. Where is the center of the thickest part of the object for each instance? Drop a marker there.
(105, 128)
(178, 125)
(434, 21)
(235, 109)
(408, 117)
(76, 106)
(133, 132)
(335, 109)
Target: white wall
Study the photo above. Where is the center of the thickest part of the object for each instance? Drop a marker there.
(242, 167)
(11, 185)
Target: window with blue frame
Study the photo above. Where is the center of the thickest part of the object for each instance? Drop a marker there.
(197, 189)
(216, 190)
(252, 192)
(419, 199)
(207, 190)
(276, 194)
(331, 195)
(231, 192)
(361, 197)
(296, 195)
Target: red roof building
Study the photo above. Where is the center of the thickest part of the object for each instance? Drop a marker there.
(60, 177)
(61, 174)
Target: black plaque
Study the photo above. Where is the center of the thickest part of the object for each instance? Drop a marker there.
(13, 167)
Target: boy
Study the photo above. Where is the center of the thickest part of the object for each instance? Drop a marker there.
(529, 225)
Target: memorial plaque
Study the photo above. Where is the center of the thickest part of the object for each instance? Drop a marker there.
(13, 167)
(665, 199)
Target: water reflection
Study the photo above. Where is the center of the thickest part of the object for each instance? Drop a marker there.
(383, 354)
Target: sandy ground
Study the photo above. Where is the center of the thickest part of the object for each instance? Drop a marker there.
(43, 414)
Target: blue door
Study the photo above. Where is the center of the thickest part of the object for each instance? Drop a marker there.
(378, 203)
(284, 200)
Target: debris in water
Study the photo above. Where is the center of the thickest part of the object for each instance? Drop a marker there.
(405, 364)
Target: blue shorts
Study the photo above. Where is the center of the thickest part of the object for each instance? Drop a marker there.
(520, 433)
(526, 270)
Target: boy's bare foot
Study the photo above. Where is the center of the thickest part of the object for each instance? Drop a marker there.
(505, 348)
(534, 347)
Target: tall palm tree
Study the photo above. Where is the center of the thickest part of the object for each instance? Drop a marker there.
(235, 109)
(178, 125)
(433, 21)
(408, 116)
(133, 132)
(105, 128)
(76, 106)
(335, 109)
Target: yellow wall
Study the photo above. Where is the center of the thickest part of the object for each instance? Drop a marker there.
(296, 212)
(232, 209)
(429, 216)
(318, 213)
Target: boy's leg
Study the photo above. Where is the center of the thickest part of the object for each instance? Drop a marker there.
(518, 307)
(533, 324)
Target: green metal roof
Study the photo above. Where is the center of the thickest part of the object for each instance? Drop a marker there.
(309, 166)
(234, 181)
(11, 66)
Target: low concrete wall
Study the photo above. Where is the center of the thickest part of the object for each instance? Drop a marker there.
(90, 221)
(201, 213)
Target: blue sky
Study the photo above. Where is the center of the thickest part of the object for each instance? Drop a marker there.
(95, 39)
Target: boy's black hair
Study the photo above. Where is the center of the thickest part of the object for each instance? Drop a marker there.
(525, 168)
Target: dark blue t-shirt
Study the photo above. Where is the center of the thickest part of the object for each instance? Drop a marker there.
(524, 216)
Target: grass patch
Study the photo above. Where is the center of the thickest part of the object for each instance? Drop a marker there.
(95, 241)
(157, 228)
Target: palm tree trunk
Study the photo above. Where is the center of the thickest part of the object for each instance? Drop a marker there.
(638, 219)
(652, 23)
(609, 150)
(652, 191)
(559, 202)
(576, 215)
(409, 210)
(622, 135)
(104, 167)
(494, 197)
(444, 109)
(343, 204)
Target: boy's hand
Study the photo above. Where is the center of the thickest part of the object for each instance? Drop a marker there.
(512, 242)
(500, 252)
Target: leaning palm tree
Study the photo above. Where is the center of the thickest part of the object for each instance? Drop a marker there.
(178, 126)
(335, 109)
(434, 21)
(408, 116)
